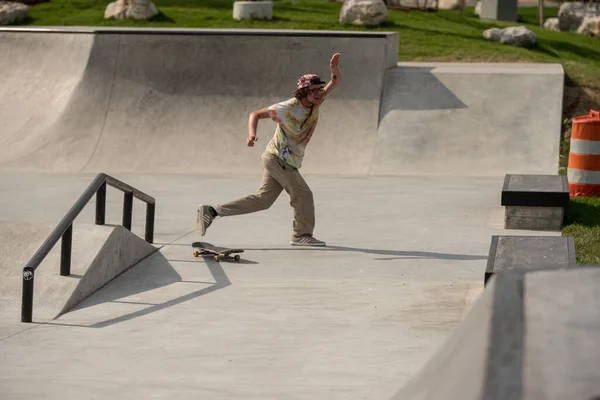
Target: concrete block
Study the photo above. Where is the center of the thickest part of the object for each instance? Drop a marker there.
(253, 10)
(535, 190)
(534, 218)
(529, 252)
(535, 202)
(499, 10)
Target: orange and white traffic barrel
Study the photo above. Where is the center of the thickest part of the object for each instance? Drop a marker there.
(583, 171)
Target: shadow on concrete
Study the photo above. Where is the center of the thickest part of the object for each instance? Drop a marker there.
(393, 254)
(161, 274)
(416, 89)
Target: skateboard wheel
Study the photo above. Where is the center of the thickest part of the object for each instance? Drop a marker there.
(237, 257)
(217, 258)
(196, 253)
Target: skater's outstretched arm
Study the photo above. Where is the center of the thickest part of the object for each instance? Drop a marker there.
(336, 75)
(253, 124)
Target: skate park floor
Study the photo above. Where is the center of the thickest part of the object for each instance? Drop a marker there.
(406, 254)
(404, 262)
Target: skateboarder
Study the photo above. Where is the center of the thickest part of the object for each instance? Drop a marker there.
(296, 121)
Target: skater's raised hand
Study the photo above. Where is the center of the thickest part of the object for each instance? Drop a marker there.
(333, 63)
(336, 75)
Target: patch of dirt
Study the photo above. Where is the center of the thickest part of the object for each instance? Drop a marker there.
(578, 100)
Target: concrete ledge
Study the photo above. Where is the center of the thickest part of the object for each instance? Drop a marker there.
(529, 252)
(535, 202)
(531, 335)
(535, 190)
(199, 31)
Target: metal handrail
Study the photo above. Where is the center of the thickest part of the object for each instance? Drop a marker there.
(64, 231)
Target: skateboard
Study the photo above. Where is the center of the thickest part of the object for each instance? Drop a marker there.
(218, 255)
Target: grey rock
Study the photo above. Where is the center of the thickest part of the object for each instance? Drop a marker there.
(572, 15)
(518, 36)
(11, 12)
(134, 9)
(551, 24)
(363, 12)
(590, 27)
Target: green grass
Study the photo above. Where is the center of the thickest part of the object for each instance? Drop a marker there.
(445, 35)
(582, 221)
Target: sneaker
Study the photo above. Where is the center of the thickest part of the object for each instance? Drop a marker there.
(306, 240)
(203, 219)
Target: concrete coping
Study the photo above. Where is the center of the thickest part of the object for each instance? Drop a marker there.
(535, 191)
(529, 252)
(485, 68)
(198, 31)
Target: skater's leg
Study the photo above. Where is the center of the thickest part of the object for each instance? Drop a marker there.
(301, 200)
(268, 192)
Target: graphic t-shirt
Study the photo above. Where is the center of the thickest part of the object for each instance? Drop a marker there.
(295, 126)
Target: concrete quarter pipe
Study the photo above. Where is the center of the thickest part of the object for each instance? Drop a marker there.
(177, 101)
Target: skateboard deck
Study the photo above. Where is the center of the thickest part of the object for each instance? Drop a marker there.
(224, 254)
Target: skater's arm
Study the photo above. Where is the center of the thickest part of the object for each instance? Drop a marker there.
(336, 75)
(253, 124)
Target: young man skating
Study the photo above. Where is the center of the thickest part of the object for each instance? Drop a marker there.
(296, 122)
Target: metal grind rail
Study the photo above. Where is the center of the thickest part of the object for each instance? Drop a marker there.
(64, 231)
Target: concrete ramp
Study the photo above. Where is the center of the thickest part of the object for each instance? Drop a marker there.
(179, 101)
(120, 100)
(531, 335)
(100, 253)
(470, 119)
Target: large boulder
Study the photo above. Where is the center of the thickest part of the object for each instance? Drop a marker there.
(135, 9)
(11, 12)
(590, 27)
(364, 12)
(518, 36)
(572, 15)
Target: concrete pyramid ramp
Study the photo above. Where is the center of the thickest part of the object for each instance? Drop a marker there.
(100, 253)
(531, 335)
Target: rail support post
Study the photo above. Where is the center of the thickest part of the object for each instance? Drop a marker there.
(150, 211)
(127, 209)
(101, 205)
(65, 252)
(27, 295)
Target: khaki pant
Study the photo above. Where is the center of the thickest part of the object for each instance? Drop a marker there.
(277, 176)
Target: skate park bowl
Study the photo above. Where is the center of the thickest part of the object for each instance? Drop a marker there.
(406, 165)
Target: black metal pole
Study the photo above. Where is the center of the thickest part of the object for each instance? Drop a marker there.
(65, 252)
(127, 209)
(101, 205)
(27, 295)
(150, 210)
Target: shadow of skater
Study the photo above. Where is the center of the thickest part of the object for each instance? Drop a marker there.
(394, 254)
